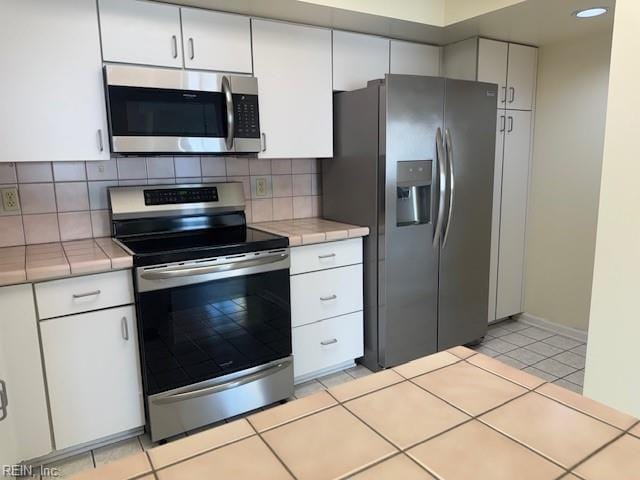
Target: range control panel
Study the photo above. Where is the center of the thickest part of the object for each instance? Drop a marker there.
(171, 196)
(246, 116)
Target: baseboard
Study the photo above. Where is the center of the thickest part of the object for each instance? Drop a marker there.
(324, 371)
(570, 332)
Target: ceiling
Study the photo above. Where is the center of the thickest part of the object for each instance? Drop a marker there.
(534, 22)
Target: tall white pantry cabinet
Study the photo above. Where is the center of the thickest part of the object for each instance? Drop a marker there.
(513, 67)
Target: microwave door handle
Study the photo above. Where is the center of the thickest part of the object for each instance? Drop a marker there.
(231, 127)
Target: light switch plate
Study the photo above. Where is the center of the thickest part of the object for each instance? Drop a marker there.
(10, 200)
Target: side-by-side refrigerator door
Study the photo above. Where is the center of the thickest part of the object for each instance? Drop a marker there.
(408, 284)
(470, 132)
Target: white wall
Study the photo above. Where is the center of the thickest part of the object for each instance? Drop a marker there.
(571, 107)
(613, 356)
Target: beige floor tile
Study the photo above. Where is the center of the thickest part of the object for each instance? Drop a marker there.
(548, 427)
(426, 364)
(308, 388)
(475, 451)
(123, 469)
(201, 442)
(470, 388)
(367, 384)
(290, 411)
(588, 406)
(496, 366)
(398, 413)
(619, 461)
(399, 467)
(635, 430)
(248, 459)
(570, 476)
(335, 379)
(461, 352)
(329, 444)
(116, 451)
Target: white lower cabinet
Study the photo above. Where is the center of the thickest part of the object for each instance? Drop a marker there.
(333, 341)
(326, 306)
(24, 421)
(93, 375)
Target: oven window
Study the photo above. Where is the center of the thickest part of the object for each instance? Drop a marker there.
(198, 332)
(166, 113)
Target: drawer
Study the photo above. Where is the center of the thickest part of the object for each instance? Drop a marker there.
(321, 256)
(325, 294)
(82, 294)
(327, 343)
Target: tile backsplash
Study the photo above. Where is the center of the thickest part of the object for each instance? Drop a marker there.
(62, 201)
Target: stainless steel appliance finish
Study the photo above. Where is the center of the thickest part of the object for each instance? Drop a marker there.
(421, 151)
(212, 300)
(232, 101)
(187, 408)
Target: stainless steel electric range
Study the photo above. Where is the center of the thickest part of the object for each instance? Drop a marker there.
(213, 304)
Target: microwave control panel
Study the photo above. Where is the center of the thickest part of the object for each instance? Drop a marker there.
(246, 116)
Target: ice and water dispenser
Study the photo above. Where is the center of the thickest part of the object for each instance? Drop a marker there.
(413, 185)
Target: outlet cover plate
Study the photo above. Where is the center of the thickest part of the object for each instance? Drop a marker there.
(10, 199)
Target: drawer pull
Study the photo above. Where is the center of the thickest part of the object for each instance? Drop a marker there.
(125, 329)
(324, 343)
(330, 297)
(88, 294)
(328, 255)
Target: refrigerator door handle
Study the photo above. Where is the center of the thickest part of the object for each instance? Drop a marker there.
(442, 181)
(452, 183)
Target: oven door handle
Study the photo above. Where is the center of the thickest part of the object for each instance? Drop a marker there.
(224, 267)
(238, 382)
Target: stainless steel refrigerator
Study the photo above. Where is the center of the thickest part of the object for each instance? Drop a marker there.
(413, 161)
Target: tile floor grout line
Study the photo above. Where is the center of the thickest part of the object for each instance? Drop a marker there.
(286, 467)
(598, 450)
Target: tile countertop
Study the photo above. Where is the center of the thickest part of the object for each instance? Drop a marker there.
(305, 231)
(454, 415)
(55, 260)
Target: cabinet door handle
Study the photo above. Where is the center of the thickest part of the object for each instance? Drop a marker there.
(330, 297)
(504, 95)
(4, 400)
(502, 123)
(510, 124)
(125, 328)
(328, 255)
(192, 50)
(88, 294)
(174, 46)
(100, 142)
(513, 94)
(264, 141)
(324, 343)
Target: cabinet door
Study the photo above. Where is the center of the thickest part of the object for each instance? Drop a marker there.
(93, 375)
(521, 76)
(492, 65)
(135, 31)
(24, 432)
(415, 58)
(293, 66)
(52, 95)
(515, 183)
(216, 41)
(495, 216)
(357, 59)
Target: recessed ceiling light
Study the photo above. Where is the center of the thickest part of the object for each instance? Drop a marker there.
(590, 12)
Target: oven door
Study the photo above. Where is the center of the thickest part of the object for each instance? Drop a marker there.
(162, 111)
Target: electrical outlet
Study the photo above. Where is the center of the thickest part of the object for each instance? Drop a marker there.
(261, 187)
(10, 201)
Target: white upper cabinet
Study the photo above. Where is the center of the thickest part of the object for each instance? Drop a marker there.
(492, 66)
(513, 212)
(513, 67)
(142, 32)
(52, 95)
(521, 76)
(293, 66)
(414, 58)
(216, 41)
(358, 58)
(24, 420)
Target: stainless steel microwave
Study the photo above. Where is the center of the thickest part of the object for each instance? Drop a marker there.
(157, 111)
